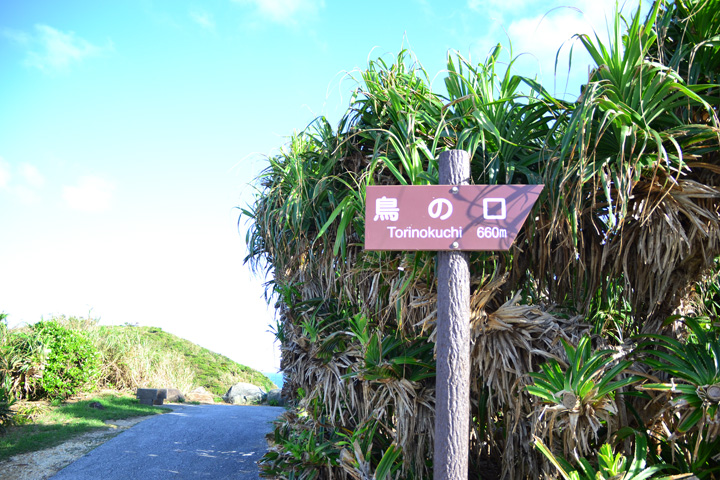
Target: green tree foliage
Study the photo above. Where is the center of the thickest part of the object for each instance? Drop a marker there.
(627, 227)
(6, 403)
(72, 361)
(6, 396)
(609, 465)
(65, 355)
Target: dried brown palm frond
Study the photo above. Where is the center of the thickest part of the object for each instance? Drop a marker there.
(320, 376)
(519, 460)
(507, 345)
(565, 253)
(668, 415)
(355, 464)
(611, 215)
(577, 422)
(395, 289)
(511, 342)
(299, 449)
(669, 241)
(410, 408)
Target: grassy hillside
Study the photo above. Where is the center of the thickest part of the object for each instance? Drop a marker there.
(48, 371)
(208, 369)
(59, 358)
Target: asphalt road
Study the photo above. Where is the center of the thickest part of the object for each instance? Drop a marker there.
(194, 441)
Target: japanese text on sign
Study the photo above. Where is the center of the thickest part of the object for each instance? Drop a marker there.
(444, 217)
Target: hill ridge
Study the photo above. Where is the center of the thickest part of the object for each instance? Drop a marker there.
(211, 370)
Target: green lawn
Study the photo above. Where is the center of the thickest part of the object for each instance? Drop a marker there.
(53, 425)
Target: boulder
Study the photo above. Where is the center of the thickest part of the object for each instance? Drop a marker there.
(245, 394)
(275, 398)
(200, 395)
(149, 396)
(156, 396)
(171, 395)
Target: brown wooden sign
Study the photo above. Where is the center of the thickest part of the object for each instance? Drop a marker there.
(446, 217)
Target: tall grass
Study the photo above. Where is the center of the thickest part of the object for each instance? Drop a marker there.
(150, 357)
(129, 360)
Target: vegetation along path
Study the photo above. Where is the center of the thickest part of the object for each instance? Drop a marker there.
(194, 441)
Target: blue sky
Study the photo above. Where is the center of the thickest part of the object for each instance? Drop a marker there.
(130, 131)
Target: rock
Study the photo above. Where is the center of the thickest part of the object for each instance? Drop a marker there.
(275, 398)
(149, 396)
(171, 394)
(245, 394)
(156, 396)
(200, 395)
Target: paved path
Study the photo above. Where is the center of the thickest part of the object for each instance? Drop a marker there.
(194, 441)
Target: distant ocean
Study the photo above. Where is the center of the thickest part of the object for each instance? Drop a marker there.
(277, 378)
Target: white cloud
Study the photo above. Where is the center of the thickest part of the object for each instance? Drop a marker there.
(23, 182)
(16, 36)
(544, 28)
(91, 194)
(32, 175)
(288, 12)
(486, 6)
(50, 50)
(542, 36)
(204, 19)
(25, 194)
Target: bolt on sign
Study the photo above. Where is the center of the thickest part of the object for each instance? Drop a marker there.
(446, 217)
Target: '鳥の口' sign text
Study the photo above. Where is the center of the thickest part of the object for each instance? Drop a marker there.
(446, 217)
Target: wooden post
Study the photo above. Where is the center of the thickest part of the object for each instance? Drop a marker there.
(452, 391)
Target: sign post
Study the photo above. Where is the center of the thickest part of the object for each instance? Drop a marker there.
(450, 218)
(452, 348)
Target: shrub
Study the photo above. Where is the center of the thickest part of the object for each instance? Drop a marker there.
(72, 361)
(626, 225)
(610, 465)
(6, 397)
(6, 403)
(24, 358)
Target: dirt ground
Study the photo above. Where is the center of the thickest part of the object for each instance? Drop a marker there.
(43, 464)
